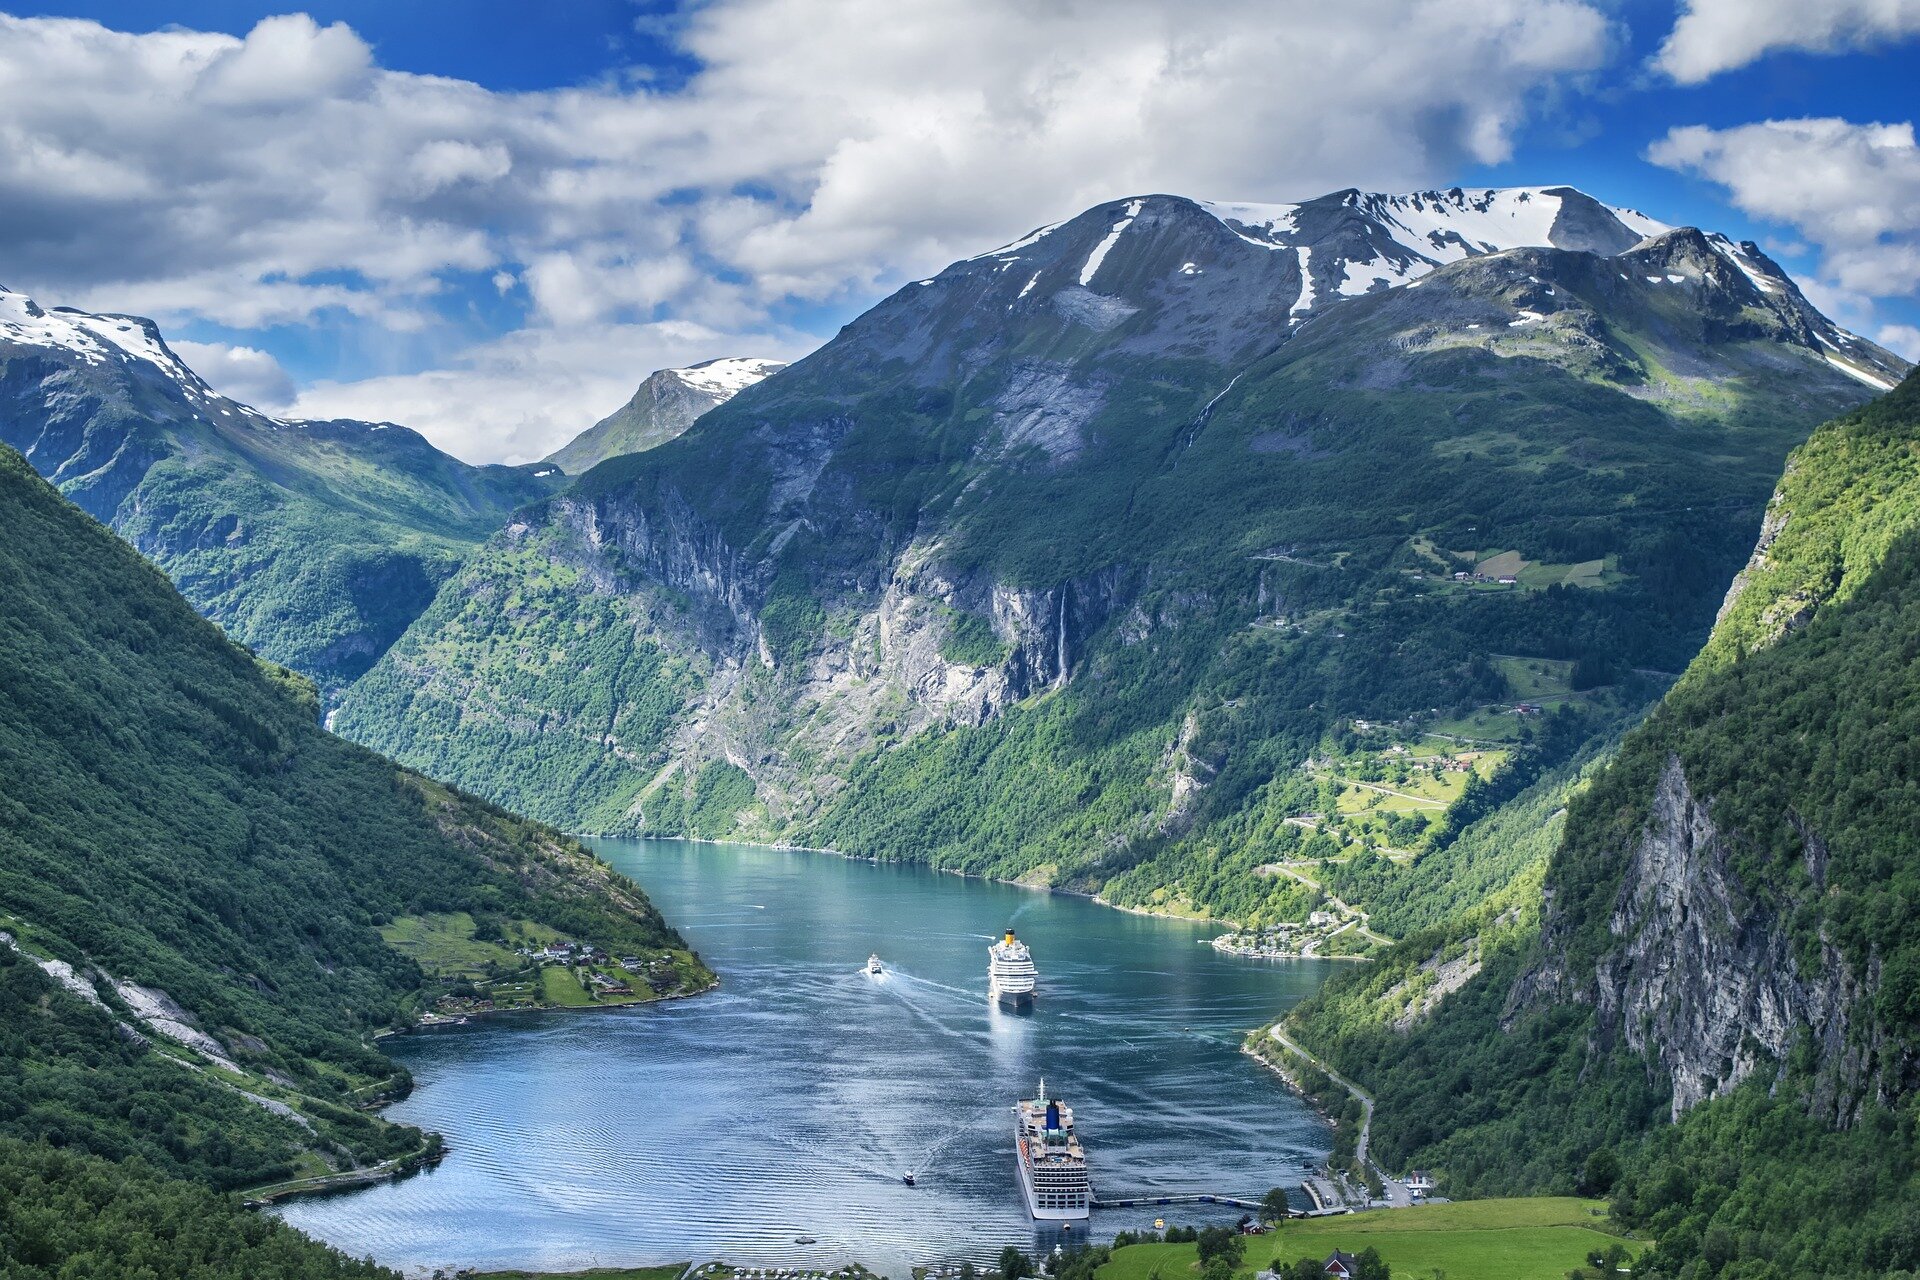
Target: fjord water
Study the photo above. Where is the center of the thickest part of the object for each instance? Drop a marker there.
(788, 1102)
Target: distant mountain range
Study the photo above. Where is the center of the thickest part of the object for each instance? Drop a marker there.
(1061, 563)
(665, 405)
(314, 542)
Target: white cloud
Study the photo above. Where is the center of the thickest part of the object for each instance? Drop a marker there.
(820, 153)
(1901, 339)
(520, 397)
(244, 373)
(1712, 36)
(1851, 190)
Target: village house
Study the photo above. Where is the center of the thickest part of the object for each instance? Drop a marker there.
(1340, 1264)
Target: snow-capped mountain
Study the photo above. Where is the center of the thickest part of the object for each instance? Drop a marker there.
(1157, 252)
(316, 542)
(666, 404)
(1158, 451)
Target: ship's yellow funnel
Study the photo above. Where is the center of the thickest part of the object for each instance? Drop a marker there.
(1009, 936)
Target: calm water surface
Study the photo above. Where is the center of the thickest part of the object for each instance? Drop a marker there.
(788, 1102)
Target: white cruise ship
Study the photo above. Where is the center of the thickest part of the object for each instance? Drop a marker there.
(1053, 1166)
(1010, 972)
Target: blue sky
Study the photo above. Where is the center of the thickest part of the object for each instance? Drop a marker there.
(489, 220)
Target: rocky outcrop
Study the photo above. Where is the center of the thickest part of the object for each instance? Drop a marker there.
(1704, 979)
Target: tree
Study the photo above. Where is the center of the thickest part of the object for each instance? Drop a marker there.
(1221, 1242)
(1370, 1266)
(1014, 1265)
(1275, 1205)
(1600, 1172)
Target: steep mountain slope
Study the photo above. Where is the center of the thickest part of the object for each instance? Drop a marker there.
(194, 876)
(1728, 941)
(1063, 563)
(314, 542)
(665, 405)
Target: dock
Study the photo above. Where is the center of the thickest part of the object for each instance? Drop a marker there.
(1134, 1202)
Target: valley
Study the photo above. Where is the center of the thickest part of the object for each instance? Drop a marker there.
(1339, 589)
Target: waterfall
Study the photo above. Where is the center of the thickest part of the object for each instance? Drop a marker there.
(1061, 679)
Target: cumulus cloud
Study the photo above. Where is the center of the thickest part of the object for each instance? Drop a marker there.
(521, 396)
(246, 374)
(1851, 190)
(1712, 36)
(818, 153)
(1901, 339)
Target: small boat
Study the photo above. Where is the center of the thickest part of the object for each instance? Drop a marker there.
(874, 967)
(805, 1240)
(907, 1177)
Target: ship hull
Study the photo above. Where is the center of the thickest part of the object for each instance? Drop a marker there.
(1033, 1202)
(1013, 999)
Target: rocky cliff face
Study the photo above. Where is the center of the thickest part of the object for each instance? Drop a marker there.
(1707, 983)
(1721, 955)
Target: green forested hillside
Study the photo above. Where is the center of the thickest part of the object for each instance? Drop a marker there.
(1794, 733)
(64, 1214)
(193, 876)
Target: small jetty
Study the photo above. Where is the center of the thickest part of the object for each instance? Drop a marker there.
(1132, 1202)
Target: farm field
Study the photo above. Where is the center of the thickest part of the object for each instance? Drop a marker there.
(1540, 1238)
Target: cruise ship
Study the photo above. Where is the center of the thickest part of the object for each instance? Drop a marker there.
(1010, 971)
(1053, 1166)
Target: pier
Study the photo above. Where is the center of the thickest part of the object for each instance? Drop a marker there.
(1134, 1202)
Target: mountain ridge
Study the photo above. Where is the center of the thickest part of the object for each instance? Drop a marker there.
(1138, 543)
(665, 405)
(314, 541)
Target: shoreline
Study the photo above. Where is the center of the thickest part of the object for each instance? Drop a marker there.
(1091, 896)
(455, 1020)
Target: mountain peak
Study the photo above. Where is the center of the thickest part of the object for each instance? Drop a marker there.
(666, 404)
(94, 338)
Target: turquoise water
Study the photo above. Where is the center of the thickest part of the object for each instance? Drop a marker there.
(789, 1101)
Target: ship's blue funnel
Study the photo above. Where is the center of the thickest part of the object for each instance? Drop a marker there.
(1053, 1115)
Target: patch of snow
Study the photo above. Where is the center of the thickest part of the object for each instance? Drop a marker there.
(1190, 269)
(1362, 277)
(1099, 254)
(728, 376)
(1653, 279)
(1526, 317)
(1676, 279)
(1305, 301)
(1853, 371)
(1446, 226)
(1258, 224)
(1032, 237)
(1027, 288)
(1737, 256)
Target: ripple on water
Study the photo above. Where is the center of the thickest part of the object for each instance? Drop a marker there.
(789, 1102)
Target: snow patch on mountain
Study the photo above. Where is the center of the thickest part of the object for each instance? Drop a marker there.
(728, 376)
(1305, 301)
(1100, 251)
